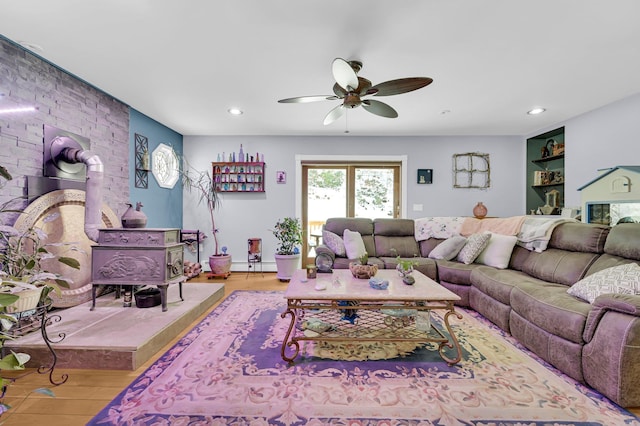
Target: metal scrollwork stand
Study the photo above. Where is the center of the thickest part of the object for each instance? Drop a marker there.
(26, 324)
(44, 322)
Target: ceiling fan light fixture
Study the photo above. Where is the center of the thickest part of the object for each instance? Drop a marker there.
(235, 111)
(536, 111)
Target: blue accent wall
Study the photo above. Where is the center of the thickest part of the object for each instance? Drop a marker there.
(162, 206)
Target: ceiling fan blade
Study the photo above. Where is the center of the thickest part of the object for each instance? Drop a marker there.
(334, 114)
(402, 85)
(305, 99)
(339, 91)
(379, 108)
(344, 75)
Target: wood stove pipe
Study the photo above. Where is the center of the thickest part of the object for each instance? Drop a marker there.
(95, 176)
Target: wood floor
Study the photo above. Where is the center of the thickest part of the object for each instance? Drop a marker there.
(88, 391)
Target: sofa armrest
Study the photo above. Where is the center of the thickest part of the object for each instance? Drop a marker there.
(623, 303)
(322, 248)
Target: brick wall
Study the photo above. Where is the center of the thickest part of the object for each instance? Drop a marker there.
(65, 102)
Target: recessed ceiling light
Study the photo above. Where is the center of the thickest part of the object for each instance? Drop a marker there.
(536, 111)
(235, 111)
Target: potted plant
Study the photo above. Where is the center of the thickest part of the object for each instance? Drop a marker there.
(192, 179)
(23, 278)
(288, 232)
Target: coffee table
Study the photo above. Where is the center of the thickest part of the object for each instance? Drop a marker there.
(349, 310)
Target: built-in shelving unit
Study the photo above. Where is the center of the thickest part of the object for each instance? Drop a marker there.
(239, 176)
(545, 171)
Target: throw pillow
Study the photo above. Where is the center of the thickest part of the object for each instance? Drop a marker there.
(353, 244)
(498, 252)
(449, 248)
(334, 242)
(622, 279)
(473, 247)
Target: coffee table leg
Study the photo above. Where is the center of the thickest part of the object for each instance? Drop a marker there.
(453, 342)
(286, 342)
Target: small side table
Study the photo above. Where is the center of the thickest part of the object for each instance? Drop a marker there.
(254, 255)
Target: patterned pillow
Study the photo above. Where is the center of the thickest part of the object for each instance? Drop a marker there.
(473, 247)
(623, 279)
(334, 242)
(353, 244)
(449, 248)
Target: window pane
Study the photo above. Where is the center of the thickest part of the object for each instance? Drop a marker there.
(374, 193)
(326, 197)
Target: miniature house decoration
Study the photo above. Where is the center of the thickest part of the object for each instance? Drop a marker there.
(612, 197)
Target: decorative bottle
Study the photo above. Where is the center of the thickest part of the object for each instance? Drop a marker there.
(480, 211)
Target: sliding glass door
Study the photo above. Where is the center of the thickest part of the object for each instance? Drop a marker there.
(347, 190)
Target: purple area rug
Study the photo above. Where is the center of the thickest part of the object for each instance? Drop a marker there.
(228, 370)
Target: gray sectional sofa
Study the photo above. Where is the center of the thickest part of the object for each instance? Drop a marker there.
(595, 343)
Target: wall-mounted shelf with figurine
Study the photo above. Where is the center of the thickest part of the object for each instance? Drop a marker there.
(239, 176)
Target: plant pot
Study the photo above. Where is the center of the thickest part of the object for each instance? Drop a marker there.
(28, 300)
(287, 265)
(220, 264)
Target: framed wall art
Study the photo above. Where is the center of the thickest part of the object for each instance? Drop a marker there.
(425, 176)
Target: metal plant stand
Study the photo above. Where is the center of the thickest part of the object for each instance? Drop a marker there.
(29, 321)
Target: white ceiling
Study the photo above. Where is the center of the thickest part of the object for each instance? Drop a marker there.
(185, 63)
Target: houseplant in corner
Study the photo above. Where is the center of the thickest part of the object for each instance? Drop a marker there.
(288, 232)
(192, 179)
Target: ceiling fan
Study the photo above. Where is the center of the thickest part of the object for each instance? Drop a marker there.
(351, 89)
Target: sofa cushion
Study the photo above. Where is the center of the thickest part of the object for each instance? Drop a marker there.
(454, 272)
(472, 248)
(498, 283)
(558, 266)
(498, 251)
(577, 236)
(395, 237)
(623, 279)
(353, 244)
(334, 242)
(449, 248)
(623, 241)
(549, 307)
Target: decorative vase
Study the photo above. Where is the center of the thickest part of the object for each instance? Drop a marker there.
(286, 265)
(220, 264)
(479, 211)
(134, 218)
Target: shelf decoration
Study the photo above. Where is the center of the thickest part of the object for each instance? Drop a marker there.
(239, 176)
(471, 170)
(142, 161)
